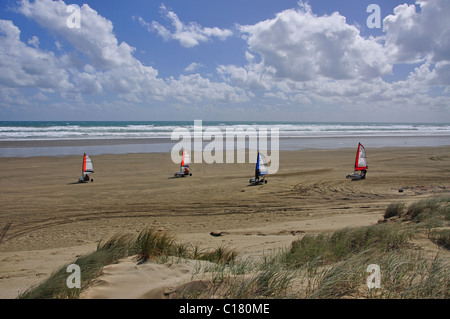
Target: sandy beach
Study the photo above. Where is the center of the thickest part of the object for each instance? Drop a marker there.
(47, 219)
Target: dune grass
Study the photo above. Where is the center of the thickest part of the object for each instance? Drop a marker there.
(404, 275)
(394, 209)
(107, 253)
(432, 214)
(327, 248)
(246, 279)
(441, 238)
(148, 244)
(326, 265)
(334, 265)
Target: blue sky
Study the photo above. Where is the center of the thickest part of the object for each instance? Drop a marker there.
(225, 60)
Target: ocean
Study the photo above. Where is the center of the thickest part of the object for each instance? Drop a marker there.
(38, 138)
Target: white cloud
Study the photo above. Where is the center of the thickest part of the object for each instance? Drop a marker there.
(414, 35)
(301, 46)
(196, 88)
(278, 95)
(26, 66)
(193, 66)
(442, 71)
(304, 57)
(301, 100)
(295, 59)
(95, 37)
(189, 35)
(253, 76)
(321, 60)
(108, 67)
(34, 41)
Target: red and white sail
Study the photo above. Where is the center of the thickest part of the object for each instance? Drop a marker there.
(88, 168)
(361, 160)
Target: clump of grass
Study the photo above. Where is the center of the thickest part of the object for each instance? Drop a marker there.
(152, 243)
(56, 286)
(430, 214)
(446, 213)
(333, 264)
(394, 209)
(341, 279)
(428, 208)
(441, 238)
(271, 281)
(410, 275)
(404, 275)
(423, 207)
(221, 254)
(148, 244)
(245, 280)
(331, 247)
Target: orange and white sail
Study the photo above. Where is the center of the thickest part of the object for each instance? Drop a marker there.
(361, 160)
(88, 168)
(186, 159)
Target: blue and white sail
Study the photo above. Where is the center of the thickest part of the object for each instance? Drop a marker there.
(261, 168)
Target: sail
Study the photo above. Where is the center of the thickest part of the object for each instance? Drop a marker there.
(88, 168)
(361, 161)
(261, 168)
(186, 159)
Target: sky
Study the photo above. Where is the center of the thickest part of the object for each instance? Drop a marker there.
(261, 60)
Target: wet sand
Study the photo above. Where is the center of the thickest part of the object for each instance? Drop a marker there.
(52, 219)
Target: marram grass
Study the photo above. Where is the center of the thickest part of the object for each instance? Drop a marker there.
(327, 265)
(148, 244)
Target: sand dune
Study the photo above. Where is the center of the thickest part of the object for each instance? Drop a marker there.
(53, 219)
(127, 280)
